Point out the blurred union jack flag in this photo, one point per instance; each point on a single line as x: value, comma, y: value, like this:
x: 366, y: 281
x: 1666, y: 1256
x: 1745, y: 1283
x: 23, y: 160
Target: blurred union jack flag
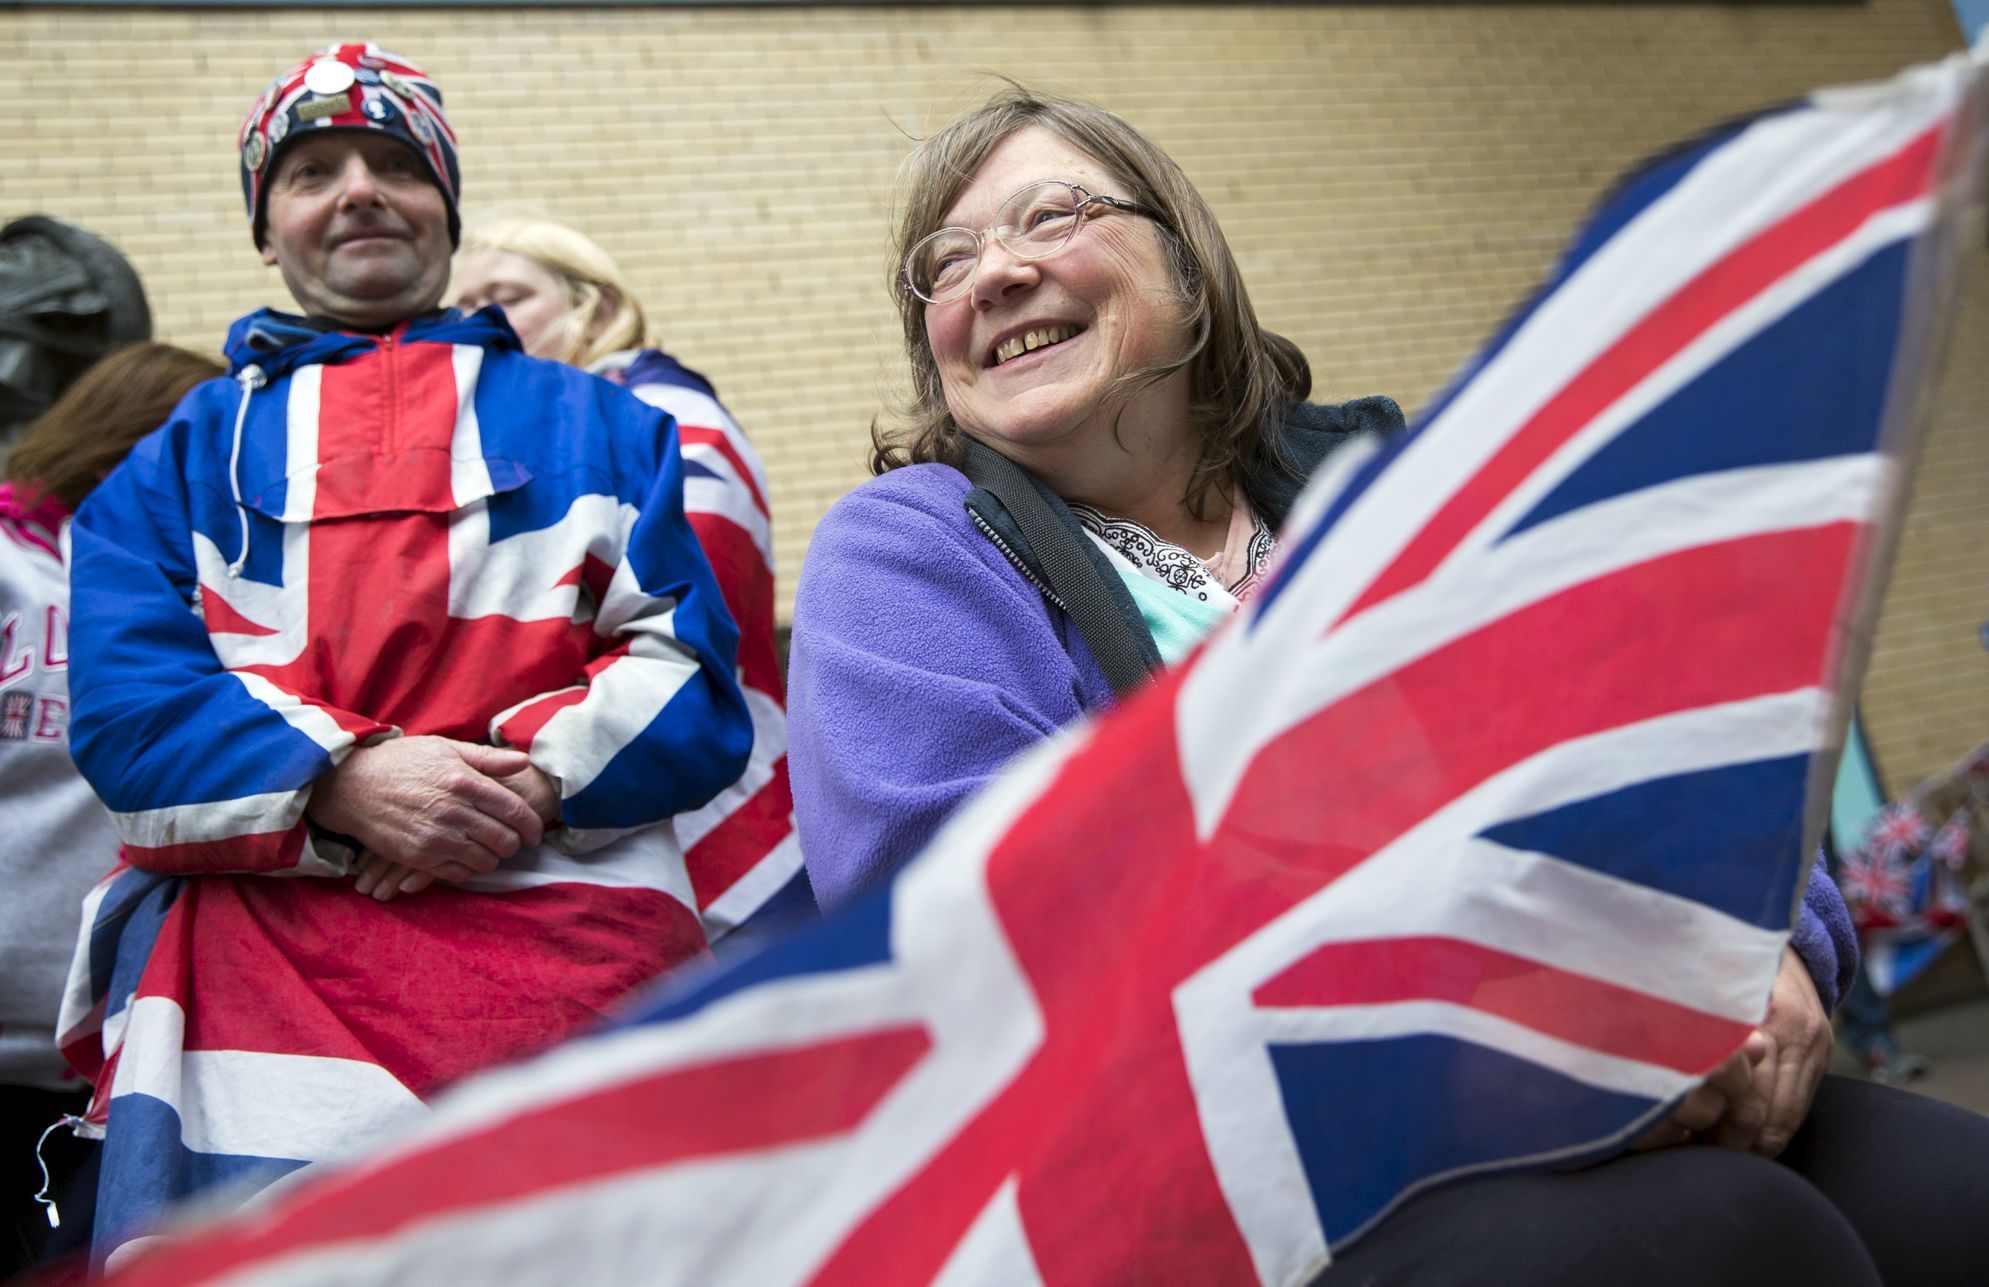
x: 1472, y: 844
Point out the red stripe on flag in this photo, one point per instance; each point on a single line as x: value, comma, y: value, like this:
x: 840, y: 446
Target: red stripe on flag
x: 1716, y: 292
x: 267, y: 967
x: 746, y: 582
x: 739, y: 843
x: 261, y: 851
x: 639, y: 1125
x: 1110, y: 1082
x: 722, y: 441
x: 386, y: 426
x: 1572, y: 1007
x: 1441, y: 725
x: 591, y: 573
x: 85, y: 1053
x: 221, y: 618
x: 521, y: 728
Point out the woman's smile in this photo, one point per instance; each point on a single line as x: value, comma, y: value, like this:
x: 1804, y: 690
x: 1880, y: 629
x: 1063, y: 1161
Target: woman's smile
x: 1034, y: 340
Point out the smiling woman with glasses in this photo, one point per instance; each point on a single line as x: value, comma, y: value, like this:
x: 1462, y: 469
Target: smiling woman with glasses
x: 1083, y: 355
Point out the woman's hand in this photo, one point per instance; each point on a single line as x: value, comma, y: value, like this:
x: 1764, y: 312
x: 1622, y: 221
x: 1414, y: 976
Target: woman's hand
x: 1725, y: 1088
x: 1800, y: 1041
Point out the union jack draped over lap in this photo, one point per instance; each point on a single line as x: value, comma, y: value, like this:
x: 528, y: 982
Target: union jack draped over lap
x: 1576, y: 650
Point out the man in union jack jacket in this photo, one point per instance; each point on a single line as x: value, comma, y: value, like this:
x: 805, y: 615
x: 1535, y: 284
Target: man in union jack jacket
x: 394, y: 655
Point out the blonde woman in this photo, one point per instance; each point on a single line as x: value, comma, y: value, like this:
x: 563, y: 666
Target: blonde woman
x: 568, y: 301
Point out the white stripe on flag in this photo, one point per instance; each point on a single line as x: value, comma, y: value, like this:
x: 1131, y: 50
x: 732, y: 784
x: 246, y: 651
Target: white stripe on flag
x: 642, y: 858
x: 312, y: 721
x: 469, y: 473
x: 214, y: 820
x: 253, y: 1104
x: 769, y: 744
x: 725, y: 499
x: 688, y: 406
x: 300, y: 461
x: 727, y: 1221
x: 1590, y: 914
x: 761, y: 881
x: 1584, y: 1064
x: 1226, y: 713
x: 995, y: 1251
x: 518, y: 577
x: 624, y: 697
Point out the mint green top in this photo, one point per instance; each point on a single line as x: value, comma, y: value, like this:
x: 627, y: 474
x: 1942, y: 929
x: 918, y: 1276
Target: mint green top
x: 1176, y: 621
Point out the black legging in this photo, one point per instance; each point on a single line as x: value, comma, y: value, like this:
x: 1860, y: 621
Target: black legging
x: 1879, y: 1186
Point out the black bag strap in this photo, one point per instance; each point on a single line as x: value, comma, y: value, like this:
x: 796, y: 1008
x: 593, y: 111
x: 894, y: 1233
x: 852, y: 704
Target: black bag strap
x: 1065, y: 564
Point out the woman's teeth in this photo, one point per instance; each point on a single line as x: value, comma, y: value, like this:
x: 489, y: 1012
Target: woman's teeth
x: 1032, y: 340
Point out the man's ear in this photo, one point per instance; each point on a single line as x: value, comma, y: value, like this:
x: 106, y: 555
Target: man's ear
x: 268, y: 254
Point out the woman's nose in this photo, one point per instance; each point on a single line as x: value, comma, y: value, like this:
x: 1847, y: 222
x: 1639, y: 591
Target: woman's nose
x: 1000, y: 274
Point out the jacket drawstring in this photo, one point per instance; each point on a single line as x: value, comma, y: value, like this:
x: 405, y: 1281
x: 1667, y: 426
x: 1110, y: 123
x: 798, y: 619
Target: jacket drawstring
x: 251, y: 379
x: 47, y: 1199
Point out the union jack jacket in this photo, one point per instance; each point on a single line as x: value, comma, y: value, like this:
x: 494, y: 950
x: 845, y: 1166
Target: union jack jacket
x: 359, y: 536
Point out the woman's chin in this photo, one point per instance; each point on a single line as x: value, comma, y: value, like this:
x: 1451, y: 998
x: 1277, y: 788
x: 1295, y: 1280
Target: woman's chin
x: 1031, y: 435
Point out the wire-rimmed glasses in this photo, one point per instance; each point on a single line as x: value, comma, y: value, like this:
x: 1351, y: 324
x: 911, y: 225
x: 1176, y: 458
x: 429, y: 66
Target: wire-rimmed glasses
x: 1035, y: 223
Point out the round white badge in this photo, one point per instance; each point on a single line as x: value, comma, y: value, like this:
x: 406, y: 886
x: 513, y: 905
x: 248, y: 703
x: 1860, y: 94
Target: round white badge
x: 279, y: 128
x: 328, y: 76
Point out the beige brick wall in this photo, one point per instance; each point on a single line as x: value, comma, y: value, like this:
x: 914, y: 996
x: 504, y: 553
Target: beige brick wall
x: 1393, y: 179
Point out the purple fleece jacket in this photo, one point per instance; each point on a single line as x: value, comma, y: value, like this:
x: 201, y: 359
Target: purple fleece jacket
x: 923, y: 661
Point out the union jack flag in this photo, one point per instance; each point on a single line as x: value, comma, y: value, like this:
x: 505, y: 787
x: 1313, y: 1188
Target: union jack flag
x: 1877, y: 885
x: 1907, y: 882
x: 15, y: 710
x: 740, y: 848
x: 1950, y: 843
x: 1899, y: 830
x: 1473, y: 844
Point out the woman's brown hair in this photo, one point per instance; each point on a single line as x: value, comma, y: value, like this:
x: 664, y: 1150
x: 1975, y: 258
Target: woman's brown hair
x: 1240, y: 376
x: 121, y: 398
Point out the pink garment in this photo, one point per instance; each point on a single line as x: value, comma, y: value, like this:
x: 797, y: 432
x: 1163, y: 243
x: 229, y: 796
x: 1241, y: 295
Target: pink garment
x: 1239, y: 565
x: 34, y: 526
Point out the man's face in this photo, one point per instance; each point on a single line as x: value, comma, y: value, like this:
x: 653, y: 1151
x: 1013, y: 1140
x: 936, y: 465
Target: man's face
x: 358, y: 229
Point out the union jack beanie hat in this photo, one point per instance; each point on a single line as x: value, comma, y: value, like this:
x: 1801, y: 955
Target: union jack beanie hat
x: 348, y: 87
